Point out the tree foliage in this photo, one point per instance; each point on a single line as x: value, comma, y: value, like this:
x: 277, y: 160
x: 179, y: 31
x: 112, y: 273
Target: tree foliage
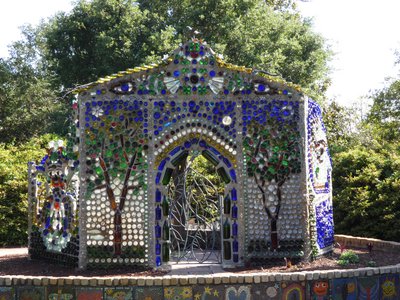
x: 14, y: 188
x: 104, y: 36
x: 385, y: 112
x: 366, y: 177
x: 366, y: 188
x: 101, y: 37
x: 28, y: 105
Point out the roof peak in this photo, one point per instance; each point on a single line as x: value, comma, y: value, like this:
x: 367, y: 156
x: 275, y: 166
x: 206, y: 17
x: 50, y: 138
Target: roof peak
x: 196, y: 55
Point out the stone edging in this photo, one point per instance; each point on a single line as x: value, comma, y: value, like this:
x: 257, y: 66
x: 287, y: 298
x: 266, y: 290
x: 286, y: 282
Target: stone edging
x: 182, y: 280
x: 361, y: 242
x: 216, y: 279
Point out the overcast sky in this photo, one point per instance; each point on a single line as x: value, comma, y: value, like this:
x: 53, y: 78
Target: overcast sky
x: 362, y: 33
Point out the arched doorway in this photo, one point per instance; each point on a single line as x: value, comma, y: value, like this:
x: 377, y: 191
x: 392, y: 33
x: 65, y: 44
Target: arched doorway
x: 194, y: 225
x: 195, y: 191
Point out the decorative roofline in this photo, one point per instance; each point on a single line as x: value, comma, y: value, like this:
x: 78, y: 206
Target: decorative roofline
x: 179, y: 52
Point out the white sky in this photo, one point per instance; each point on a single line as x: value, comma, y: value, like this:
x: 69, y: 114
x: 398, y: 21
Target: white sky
x: 363, y: 34
x: 15, y: 13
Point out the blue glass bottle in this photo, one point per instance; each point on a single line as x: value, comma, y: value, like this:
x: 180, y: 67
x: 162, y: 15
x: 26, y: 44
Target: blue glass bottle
x: 158, y: 248
x: 158, y: 213
x: 157, y: 230
x: 235, y: 246
x: 158, y: 261
x: 234, y: 194
x: 234, y: 229
x: 234, y: 211
x: 158, y: 195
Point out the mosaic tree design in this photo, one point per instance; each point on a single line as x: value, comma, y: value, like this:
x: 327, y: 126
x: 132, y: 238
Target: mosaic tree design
x: 273, y: 154
x: 116, y: 155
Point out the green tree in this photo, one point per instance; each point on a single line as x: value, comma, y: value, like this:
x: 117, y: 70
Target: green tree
x: 252, y: 33
x: 385, y: 112
x: 28, y: 105
x: 14, y: 188
x: 365, y: 155
x: 101, y: 37
x: 343, y: 127
x: 366, y: 187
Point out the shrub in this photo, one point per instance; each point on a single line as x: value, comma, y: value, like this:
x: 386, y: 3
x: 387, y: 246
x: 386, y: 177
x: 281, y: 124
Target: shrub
x: 348, y: 257
x: 14, y: 188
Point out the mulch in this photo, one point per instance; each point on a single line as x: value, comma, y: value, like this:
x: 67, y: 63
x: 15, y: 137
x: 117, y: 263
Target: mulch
x: 17, y: 263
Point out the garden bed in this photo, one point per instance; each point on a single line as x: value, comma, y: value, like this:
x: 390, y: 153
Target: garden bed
x: 19, y: 264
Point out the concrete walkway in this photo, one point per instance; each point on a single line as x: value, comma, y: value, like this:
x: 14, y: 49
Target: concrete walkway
x: 10, y: 252
x: 196, y: 269
x: 182, y: 268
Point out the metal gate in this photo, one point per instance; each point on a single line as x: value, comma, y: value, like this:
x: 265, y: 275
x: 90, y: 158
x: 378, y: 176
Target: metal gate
x: 195, y: 216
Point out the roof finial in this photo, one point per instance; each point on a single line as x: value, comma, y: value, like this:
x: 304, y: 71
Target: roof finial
x: 193, y: 32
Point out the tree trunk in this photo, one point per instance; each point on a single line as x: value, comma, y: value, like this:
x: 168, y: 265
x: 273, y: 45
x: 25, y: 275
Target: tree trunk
x: 117, y: 233
x: 274, y: 233
x: 273, y: 217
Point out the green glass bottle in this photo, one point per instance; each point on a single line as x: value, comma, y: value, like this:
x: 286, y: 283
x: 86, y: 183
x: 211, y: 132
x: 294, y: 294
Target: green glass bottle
x: 227, y: 229
x: 165, y: 231
x: 167, y: 176
x: 227, y: 204
x: 179, y: 158
x: 227, y: 250
x: 211, y: 158
x: 165, y: 206
x: 225, y: 177
x: 165, y: 251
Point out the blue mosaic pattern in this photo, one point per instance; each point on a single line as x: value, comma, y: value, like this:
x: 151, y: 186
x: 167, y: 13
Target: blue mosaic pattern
x: 344, y: 289
x: 319, y: 160
x: 105, y: 115
x: 368, y: 288
x: 263, y: 111
x: 167, y: 113
x: 238, y: 292
x: 324, y: 223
